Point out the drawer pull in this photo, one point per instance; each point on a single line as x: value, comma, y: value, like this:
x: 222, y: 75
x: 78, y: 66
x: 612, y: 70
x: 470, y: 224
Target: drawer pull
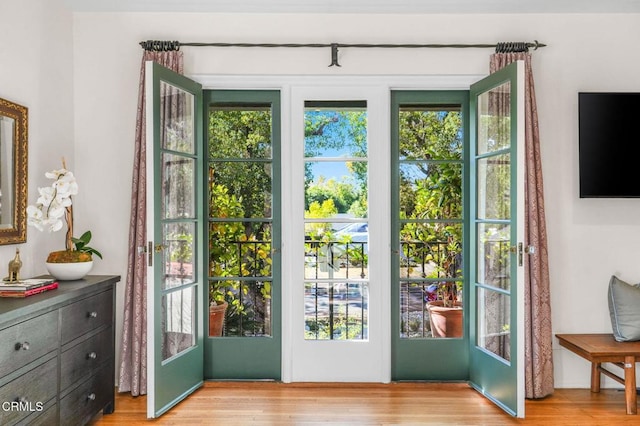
x: 22, y: 345
x: 92, y: 355
x: 92, y: 314
x: 91, y: 397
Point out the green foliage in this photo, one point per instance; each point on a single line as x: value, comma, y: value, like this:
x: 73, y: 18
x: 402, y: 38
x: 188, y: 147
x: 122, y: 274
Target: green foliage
x: 82, y: 244
x: 343, y: 194
x: 240, y: 152
x: 343, y: 131
x: 183, y: 252
x: 431, y: 194
x: 359, y: 208
x: 320, y: 231
x: 240, y: 180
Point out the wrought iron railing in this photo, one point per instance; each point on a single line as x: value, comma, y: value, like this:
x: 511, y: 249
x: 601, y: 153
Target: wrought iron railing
x: 336, y: 298
x: 324, y: 256
x: 245, y: 283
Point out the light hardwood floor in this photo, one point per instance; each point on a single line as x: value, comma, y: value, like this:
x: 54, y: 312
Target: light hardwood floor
x: 269, y: 403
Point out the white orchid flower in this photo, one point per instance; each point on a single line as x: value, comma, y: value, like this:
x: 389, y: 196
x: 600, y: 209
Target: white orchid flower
x: 66, y: 185
x: 55, y: 174
x: 46, y: 196
x: 34, y: 217
x: 55, y: 225
x: 55, y: 212
x: 52, y: 202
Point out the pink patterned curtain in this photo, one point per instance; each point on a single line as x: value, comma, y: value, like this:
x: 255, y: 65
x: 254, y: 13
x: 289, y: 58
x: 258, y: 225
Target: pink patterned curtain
x: 133, y: 355
x: 538, y: 334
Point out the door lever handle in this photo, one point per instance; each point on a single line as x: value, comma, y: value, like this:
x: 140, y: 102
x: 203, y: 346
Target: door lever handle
x: 519, y: 250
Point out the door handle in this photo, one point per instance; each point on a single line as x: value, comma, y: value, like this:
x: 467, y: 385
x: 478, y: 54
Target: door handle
x: 158, y: 248
x: 519, y: 249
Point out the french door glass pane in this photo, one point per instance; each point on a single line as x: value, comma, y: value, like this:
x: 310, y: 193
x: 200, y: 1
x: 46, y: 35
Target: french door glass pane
x: 232, y: 254
x: 240, y: 131
x: 431, y: 250
x: 178, y: 186
x: 494, y: 187
x: 240, y: 216
x: 430, y: 186
x: 176, y: 119
x: 423, y: 180
x: 494, y: 257
x: 179, y: 249
x: 335, y: 129
x: 341, y: 254
x: 254, y: 193
x: 336, y: 187
x: 336, y: 310
x: 494, y: 113
x: 414, y: 309
x: 249, y: 314
x: 430, y: 132
x: 178, y: 333
x: 336, y: 220
x: 494, y: 324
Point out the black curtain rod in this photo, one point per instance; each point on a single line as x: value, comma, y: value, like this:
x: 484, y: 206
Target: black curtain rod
x: 503, y: 47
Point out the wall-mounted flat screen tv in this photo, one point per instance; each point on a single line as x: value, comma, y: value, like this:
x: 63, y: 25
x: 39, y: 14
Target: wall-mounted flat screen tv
x: 609, y: 157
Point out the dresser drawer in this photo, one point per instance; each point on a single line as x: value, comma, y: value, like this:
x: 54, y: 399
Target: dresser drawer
x: 48, y: 417
x: 32, y: 389
x: 81, y: 404
x: 27, y: 341
x: 85, y: 315
x: 84, y: 358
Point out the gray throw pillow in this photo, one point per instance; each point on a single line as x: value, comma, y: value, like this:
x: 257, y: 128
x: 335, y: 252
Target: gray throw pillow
x: 624, y: 309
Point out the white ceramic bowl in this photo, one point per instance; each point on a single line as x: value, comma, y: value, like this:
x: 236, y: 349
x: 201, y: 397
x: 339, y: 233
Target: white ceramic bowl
x: 69, y: 271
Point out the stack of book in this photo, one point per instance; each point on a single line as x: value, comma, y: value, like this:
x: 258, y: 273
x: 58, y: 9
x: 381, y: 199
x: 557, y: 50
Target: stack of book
x: 28, y: 287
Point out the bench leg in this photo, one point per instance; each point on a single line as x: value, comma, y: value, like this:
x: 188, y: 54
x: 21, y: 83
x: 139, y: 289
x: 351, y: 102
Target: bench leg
x: 595, y: 377
x: 630, y: 384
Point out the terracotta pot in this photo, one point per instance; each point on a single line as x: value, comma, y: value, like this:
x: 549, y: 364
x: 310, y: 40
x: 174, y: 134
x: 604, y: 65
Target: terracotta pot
x: 216, y: 319
x: 445, y: 322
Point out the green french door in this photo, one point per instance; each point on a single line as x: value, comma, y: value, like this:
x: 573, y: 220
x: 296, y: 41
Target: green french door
x: 242, y: 145
x: 429, y: 232
x: 496, y: 295
x: 174, y: 225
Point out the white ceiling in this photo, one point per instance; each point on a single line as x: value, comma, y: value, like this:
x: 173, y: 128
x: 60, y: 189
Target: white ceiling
x: 358, y: 6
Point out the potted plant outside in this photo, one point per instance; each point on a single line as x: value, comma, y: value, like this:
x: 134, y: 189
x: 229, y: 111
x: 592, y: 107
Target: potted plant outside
x: 444, y: 306
x: 445, y: 313
x: 217, y: 309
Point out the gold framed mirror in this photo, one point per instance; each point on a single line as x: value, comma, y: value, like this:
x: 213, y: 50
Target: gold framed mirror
x: 14, y: 122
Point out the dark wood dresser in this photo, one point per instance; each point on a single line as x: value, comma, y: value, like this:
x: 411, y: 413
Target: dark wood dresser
x: 57, y: 363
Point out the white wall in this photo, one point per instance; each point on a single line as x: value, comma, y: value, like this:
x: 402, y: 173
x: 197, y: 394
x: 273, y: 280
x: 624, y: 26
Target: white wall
x: 589, y: 239
x: 36, y: 71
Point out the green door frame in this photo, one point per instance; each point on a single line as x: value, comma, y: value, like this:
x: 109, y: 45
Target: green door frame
x: 251, y: 357
x: 427, y: 358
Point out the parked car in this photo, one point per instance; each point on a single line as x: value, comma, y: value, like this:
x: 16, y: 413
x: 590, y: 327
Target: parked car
x: 355, y: 233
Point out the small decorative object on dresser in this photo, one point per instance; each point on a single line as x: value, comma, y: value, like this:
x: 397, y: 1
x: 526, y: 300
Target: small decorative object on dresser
x: 14, y: 268
x: 57, y: 363
x: 54, y: 202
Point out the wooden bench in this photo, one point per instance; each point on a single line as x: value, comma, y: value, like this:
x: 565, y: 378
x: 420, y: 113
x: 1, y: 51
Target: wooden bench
x: 601, y: 348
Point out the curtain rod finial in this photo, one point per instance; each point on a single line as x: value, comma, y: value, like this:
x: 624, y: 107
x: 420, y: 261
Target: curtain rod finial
x: 537, y: 44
